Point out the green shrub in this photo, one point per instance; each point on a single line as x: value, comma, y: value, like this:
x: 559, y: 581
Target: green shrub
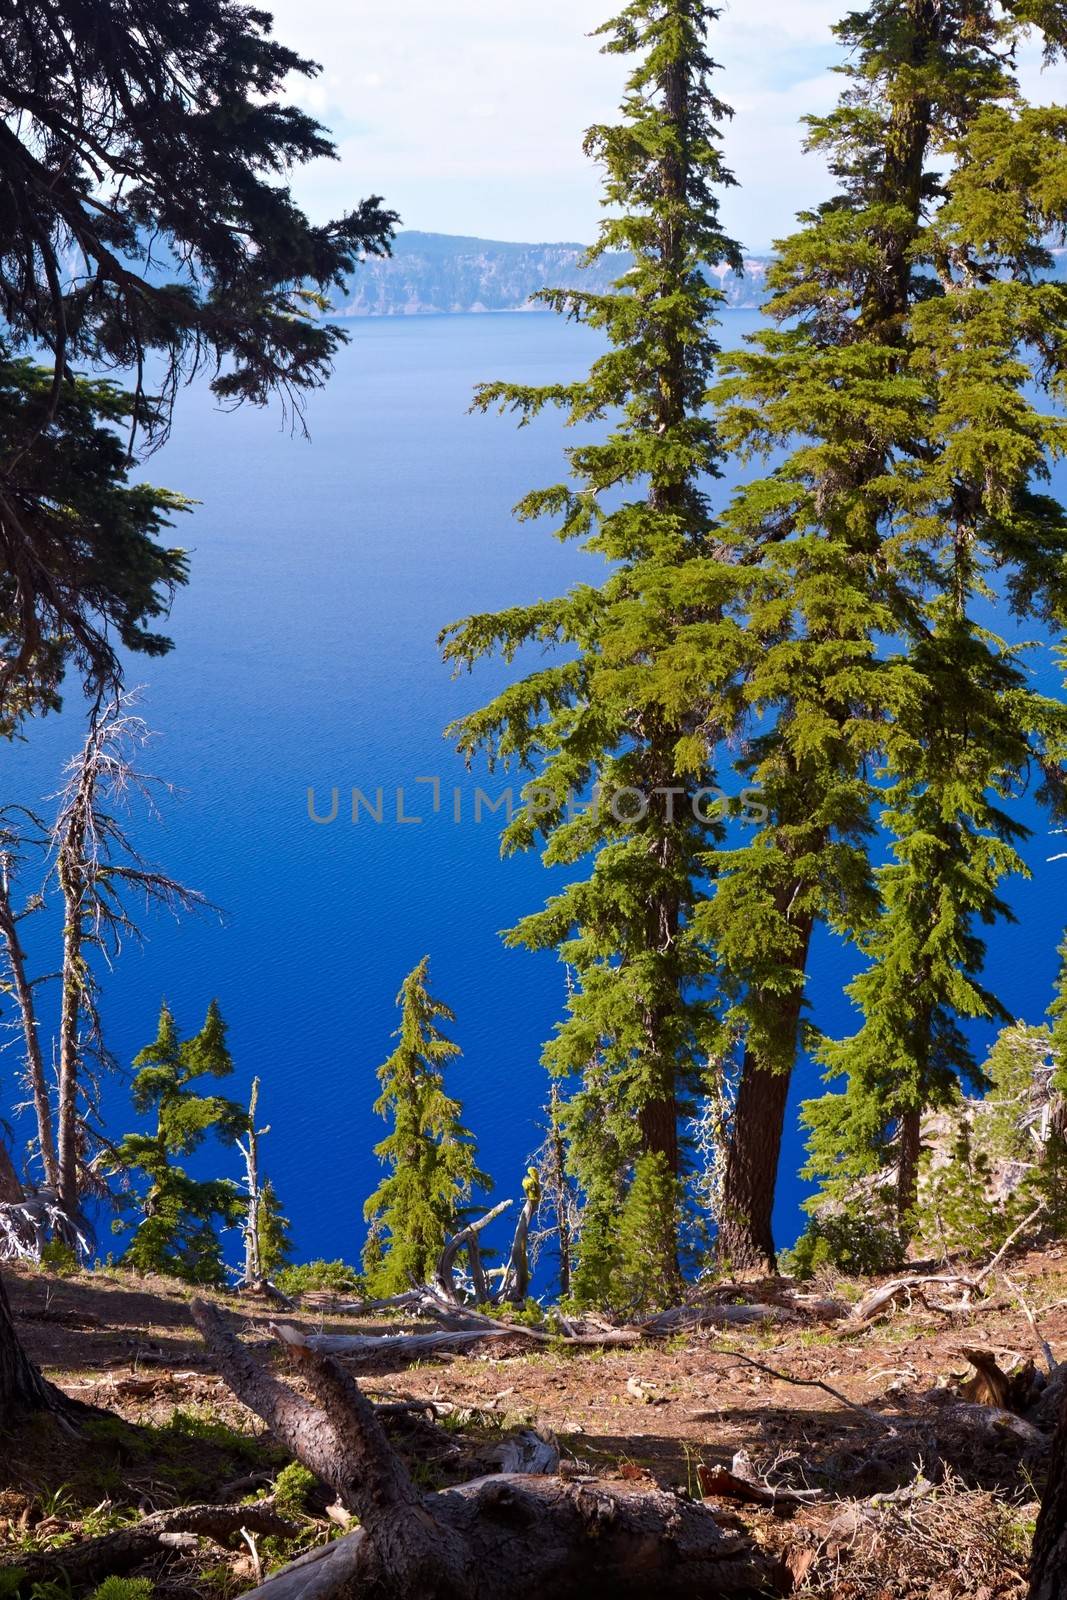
x: 306, y: 1276
x: 60, y: 1258
x: 291, y: 1488
x: 856, y: 1245
x: 123, y: 1589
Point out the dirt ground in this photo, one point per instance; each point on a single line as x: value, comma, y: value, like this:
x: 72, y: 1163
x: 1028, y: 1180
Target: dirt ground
x: 906, y: 1502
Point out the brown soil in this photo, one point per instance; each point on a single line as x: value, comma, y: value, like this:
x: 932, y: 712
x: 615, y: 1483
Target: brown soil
x: 128, y: 1345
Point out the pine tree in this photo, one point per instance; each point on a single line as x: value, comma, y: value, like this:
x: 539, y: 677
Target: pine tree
x: 950, y: 752
x: 176, y: 1234
x: 910, y: 310
x: 647, y: 1275
x: 275, y: 1240
x: 644, y: 687
x: 147, y: 228
x: 431, y: 1156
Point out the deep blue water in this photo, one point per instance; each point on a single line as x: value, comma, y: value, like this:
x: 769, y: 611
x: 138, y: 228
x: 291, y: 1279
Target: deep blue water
x: 305, y: 656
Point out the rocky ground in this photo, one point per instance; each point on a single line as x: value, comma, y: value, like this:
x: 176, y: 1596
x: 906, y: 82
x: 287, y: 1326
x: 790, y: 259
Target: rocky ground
x: 902, y: 1492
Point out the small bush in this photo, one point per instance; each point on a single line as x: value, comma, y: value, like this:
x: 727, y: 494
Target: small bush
x: 123, y: 1589
x: 856, y: 1245
x: 307, y: 1276
x: 60, y: 1258
x: 291, y: 1488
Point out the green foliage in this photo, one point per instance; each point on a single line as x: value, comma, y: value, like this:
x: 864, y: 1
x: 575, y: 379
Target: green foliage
x: 291, y: 1488
x: 199, y: 259
x: 648, y: 1276
x: 307, y: 1276
x: 123, y: 1589
x: 431, y: 1156
x: 957, y: 1210
x: 275, y: 1242
x: 59, y: 1258
x: 645, y: 658
x: 176, y: 1234
x: 912, y: 313
x: 1007, y: 1153
x: 858, y: 1245
x: 100, y: 537
x: 594, y: 1280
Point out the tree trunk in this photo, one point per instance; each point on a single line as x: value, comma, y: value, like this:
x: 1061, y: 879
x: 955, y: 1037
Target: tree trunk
x: 253, y: 1273
x: 746, y: 1234
x: 10, y: 1187
x: 659, y: 1131
x: 910, y: 1143
x: 558, y: 1175
x: 31, y: 1040
x: 69, y: 1021
x: 1048, y: 1566
x: 22, y: 1388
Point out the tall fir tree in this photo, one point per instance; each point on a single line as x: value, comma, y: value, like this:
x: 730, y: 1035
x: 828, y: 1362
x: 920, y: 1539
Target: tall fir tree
x: 645, y: 684
x: 180, y: 1214
x: 431, y: 1156
x: 910, y: 311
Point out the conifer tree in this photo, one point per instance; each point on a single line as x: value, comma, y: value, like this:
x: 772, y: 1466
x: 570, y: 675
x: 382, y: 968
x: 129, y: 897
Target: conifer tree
x: 275, y: 1240
x: 644, y: 685
x: 910, y: 310
x: 647, y: 1275
x: 176, y: 1234
x: 431, y: 1156
x: 147, y: 228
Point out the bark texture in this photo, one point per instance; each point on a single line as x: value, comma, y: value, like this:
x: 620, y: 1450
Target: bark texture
x: 1048, y: 1567
x: 746, y: 1233
x: 22, y: 1388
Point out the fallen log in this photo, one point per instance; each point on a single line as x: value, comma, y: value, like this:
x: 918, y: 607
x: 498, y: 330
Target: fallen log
x: 79, y: 1565
x: 486, y: 1540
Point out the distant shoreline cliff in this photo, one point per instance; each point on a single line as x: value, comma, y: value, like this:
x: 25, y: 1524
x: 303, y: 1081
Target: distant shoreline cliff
x: 437, y: 274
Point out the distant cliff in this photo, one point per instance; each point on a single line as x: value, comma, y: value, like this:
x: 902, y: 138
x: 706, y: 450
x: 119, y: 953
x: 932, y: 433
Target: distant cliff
x: 435, y: 273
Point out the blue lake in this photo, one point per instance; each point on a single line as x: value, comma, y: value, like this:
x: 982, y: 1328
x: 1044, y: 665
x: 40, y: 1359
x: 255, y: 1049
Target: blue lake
x: 322, y: 571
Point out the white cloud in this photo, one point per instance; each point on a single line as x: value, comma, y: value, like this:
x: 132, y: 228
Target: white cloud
x: 468, y: 115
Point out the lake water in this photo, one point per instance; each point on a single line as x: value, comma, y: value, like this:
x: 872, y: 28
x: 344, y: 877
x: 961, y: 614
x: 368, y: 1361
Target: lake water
x: 305, y: 657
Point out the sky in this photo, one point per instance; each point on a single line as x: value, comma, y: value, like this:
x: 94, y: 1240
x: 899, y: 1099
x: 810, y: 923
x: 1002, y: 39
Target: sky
x: 467, y: 115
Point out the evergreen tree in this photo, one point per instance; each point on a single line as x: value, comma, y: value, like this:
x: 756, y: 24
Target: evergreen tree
x: 70, y: 510
x: 275, y: 1240
x: 146, y: 228
x: 645, y: 684
x: 910, y: 310
x: 647, y: 1276
x: 431, y: 1156
x: 176, y: 1234
x: 950, y: 751
x: 1058, y: 1017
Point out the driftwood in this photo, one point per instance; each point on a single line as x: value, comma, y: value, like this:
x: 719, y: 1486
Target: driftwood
x: 873, y: 1304
x: 492, y: 1538
x: 119, y: 1552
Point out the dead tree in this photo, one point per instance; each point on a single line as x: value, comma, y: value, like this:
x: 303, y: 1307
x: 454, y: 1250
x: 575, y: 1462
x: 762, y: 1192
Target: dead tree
x: 22, y: 988
x: 558, y: 1196
x: 492, y: 1538
x: 252, y: 1276
x: 97, y: 870
x: 1048, y: 1566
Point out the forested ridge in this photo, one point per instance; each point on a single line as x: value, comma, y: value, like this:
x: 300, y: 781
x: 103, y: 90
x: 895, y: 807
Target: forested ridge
x: 819, y: 704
